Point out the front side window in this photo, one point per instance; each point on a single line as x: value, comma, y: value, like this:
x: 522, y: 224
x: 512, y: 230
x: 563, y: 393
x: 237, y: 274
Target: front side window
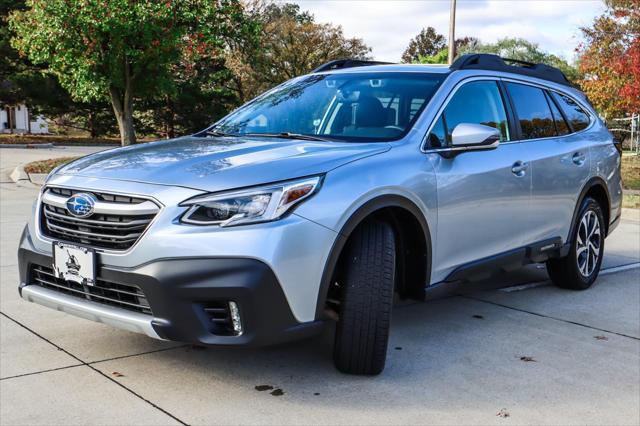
x: 478, y: 102
x: 533, y: 111
x: 377, y: 106
x: 578, y: 119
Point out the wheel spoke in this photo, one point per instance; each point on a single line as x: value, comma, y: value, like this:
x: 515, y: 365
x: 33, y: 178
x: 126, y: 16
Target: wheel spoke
x: 586, y: 265
x: 588, y: 243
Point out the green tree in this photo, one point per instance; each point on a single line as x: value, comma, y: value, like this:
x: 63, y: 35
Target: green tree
x: 23, y: 82
x: 427, y: 43
x: 122, y: 51
x: 522, y: 50
x: 442, y: 57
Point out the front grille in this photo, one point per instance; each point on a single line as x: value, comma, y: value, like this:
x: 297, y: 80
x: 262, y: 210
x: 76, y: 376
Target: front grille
x: 117, y: 223
x: 125, y: 296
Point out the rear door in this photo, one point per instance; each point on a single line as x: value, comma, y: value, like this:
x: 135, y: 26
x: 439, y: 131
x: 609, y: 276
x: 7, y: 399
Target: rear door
x: 483, y: 196
x: 550, y: 126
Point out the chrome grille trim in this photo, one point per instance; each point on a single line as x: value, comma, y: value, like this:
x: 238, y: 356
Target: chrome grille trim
x: 114, y: 225
x: 101, y: 207
x: 125, y: 296
x: 97, y: 223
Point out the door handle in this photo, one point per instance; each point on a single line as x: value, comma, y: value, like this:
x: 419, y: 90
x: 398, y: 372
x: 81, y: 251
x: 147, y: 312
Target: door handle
x: 578, y: 158
x: 519, y: 168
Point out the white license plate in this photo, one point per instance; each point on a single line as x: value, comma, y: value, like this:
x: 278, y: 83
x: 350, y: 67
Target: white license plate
x: 74, y: 263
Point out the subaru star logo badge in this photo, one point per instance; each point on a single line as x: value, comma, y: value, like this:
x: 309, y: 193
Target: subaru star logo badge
x: 81, y: 205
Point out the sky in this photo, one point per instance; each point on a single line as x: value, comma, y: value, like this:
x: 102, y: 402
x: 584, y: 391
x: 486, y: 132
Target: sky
x: 388, y: 25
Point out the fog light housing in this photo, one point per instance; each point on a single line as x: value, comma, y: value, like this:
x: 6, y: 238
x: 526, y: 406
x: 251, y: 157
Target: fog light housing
x: 236, y: 322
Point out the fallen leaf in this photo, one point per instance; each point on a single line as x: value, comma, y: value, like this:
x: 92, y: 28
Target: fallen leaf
x: 115, y: 373
x: 601, y: 337
x: 527, y: 359
x: 398, y: 348
x: 277, y: 392
x: 503, y: 413
x: 478, y: 317
x: 262, y: 388
x: 316, y: 393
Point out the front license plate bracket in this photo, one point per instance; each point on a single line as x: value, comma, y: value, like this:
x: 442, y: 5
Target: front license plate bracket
x: 74, y: 263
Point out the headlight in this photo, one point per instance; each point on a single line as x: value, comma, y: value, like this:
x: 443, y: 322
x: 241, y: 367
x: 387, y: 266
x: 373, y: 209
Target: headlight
x: 258, y: 204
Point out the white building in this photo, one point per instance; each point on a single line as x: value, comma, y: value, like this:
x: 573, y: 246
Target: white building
x: 16, y: 119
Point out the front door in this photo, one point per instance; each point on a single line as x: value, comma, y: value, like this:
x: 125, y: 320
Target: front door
x: 483, y: 196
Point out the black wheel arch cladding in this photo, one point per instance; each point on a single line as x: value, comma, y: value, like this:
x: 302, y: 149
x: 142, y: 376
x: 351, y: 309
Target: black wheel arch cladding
x: 381, y: 206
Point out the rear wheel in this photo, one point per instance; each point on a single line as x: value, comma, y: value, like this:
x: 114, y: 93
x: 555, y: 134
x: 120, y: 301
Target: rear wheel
x: 366, y: 300
x: 579, y: 269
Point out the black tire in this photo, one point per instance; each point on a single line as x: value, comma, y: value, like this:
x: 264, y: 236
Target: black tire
x: 565, y: 272
x: 362, y: 332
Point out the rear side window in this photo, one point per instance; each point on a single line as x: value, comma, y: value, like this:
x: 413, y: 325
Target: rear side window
x: 478, y: 102
x: 578, y: 119
x: 533, y: 111
x: 561, y: 126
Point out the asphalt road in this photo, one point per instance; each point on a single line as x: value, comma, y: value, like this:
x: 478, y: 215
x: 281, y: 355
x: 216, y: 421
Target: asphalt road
x: 530, y: 354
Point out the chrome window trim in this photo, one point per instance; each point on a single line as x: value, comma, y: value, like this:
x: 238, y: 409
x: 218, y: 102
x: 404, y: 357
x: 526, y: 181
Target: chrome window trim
x: 425, y: 150
x: 38, y: 224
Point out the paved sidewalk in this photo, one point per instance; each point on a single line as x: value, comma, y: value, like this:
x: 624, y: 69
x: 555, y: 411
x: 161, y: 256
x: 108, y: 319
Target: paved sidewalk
x: 12, y: 157
x: 538, y: 355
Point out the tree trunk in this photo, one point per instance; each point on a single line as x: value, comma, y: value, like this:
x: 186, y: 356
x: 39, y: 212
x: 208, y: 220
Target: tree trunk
x: 123, y: 108
x: 124, y: 117
x: 91, y: 124
x: 170, y: 119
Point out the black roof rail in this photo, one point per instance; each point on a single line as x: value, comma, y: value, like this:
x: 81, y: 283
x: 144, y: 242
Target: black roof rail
x: 347, y: 63
x: 485, y: 61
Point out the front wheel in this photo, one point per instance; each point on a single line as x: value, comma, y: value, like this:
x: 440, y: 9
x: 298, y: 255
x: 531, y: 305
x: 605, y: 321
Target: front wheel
x: 579, y: 269
x: 366, y: 300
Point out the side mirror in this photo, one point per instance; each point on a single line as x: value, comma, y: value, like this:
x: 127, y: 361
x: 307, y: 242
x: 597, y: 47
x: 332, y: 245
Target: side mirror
x: 474, y: 136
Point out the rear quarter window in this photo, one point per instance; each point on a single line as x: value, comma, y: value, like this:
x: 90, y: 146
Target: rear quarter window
x: 577, y: 117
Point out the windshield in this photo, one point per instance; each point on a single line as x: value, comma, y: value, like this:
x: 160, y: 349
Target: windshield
x: 377, y: 106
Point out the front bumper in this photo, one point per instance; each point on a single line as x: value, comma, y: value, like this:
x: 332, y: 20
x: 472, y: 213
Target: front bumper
x: 178, y: 291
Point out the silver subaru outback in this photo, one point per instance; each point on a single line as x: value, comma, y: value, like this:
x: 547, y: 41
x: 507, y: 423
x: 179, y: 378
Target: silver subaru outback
x: 324, y: 199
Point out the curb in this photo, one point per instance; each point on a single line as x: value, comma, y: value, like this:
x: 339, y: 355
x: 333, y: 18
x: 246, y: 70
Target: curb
x: 28, y: 145
x: 56, y: 145
x: 22, y: 178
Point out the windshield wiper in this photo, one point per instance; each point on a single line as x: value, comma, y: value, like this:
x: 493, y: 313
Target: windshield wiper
x: 218, y: 133
x: 287, y: 135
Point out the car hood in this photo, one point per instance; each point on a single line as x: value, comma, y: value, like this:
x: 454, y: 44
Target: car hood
x: 219, y: 163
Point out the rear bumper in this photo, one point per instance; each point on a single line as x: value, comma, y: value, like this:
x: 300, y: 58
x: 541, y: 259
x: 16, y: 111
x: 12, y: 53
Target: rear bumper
x: 178, y: 291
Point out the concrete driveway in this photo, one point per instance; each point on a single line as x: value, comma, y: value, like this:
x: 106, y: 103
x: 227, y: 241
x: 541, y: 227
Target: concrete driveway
x: 529, y: 354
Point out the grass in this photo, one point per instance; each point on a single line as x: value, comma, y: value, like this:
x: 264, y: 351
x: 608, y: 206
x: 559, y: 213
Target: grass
x: 45, y: 166
x: 631, y: 201
x: 12, y: 139
x: 631, y: 171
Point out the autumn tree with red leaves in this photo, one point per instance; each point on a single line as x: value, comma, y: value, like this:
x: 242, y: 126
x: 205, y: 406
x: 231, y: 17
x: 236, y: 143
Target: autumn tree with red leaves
x: 610, y: 59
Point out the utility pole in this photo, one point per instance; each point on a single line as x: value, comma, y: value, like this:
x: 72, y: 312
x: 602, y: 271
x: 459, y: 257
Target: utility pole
x: 452, y: 32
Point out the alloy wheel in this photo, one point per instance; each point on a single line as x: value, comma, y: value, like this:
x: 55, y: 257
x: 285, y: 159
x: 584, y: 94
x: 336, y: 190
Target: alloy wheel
x: 588, y: 243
